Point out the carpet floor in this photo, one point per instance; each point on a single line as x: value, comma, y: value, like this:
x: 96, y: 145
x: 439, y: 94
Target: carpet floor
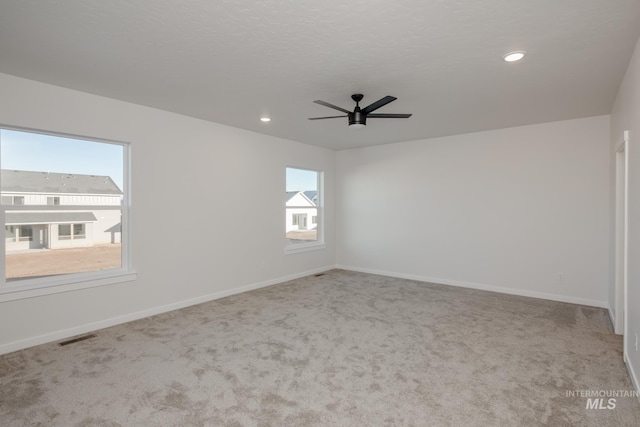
x: 340, y: 349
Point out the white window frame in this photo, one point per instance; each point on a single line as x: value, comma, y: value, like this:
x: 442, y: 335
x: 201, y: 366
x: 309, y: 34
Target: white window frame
x: 72, y: 231
x: 318, y: 244
x: 33, y: 287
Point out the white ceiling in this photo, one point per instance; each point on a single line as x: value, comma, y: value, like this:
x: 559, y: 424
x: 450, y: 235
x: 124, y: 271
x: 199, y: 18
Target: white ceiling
x: 231, y: 61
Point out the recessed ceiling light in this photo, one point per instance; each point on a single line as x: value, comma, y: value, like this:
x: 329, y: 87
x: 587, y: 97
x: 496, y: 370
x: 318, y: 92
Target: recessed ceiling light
x: 265, y: 119
x: 514, y: 56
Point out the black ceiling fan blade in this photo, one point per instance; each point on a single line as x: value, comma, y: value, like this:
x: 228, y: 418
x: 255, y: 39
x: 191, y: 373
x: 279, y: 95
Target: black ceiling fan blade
x: 379, y: 103
x: 330, y: 117
x: 335, y: 107
x: 389, y: 116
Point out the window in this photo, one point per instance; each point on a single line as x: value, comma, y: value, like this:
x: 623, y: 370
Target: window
x: 303, y: 210
x: 25, y: 233
x: 64, y: 231
x: 81, y: 243
x: 78, y: 231
x: 299, y: 219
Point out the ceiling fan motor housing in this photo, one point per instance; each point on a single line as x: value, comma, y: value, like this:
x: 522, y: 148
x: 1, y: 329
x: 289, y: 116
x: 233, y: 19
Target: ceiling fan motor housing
x: 357, y: 118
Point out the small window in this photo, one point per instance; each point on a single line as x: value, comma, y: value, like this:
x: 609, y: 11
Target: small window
x: 303, y: 209
x: 26, y: 233
x: 78, y: 231
x: 64, y: 231
x: 299, y: 219
x: 92, y: 176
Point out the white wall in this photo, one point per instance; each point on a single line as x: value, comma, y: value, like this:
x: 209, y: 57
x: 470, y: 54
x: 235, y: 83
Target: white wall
x: 213, y: 168
x: 508, y: 210
x: 625, y: 116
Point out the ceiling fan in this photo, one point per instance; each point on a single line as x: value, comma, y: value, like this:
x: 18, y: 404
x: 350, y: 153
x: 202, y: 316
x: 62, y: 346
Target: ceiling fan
x: 358, y: 117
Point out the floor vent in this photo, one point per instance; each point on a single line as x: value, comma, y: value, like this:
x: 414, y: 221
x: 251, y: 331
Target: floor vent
x: 318, y: 275
x: 75, y: 340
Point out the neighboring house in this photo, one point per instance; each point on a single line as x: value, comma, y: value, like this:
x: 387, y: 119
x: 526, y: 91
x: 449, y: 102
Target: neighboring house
x: 302, y: 212
x: 312, y: 195
x: 52, y: 229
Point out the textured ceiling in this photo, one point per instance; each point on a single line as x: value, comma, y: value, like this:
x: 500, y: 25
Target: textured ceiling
x: 231, y: 61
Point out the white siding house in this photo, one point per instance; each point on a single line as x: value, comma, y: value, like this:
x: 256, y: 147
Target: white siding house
x: 301, y: 212
x: 51, y: 229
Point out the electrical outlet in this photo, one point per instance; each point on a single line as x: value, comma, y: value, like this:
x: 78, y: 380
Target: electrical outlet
x: 636, y: 335
x: 560, y: 276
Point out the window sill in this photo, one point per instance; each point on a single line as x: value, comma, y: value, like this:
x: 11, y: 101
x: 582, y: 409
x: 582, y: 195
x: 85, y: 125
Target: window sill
x: 29, y: 289
x: 298, y: 248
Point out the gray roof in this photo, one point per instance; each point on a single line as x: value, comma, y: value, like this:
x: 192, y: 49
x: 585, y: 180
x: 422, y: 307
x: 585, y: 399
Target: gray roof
x: 311, y: 194
x: 48, y: 217
x: 51, y: 183
x: 290, y: 194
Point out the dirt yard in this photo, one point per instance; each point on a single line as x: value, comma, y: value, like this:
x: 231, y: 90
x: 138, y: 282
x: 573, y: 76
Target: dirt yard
x: 75, y: 260
x: 306, y: 235
x: 62, y: 261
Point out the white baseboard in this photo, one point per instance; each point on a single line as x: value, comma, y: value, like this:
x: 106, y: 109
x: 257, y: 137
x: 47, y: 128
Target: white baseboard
x: 90, y: 327
x: 480, y: 286
x: 632, y: 373
x: 612, y: 317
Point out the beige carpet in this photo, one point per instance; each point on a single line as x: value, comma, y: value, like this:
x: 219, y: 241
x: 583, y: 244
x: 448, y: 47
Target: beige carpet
x: 342, y: 349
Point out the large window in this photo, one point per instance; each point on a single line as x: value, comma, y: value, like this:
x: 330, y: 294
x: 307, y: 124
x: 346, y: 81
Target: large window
x: 303, y: 210
x: 65, y: 203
